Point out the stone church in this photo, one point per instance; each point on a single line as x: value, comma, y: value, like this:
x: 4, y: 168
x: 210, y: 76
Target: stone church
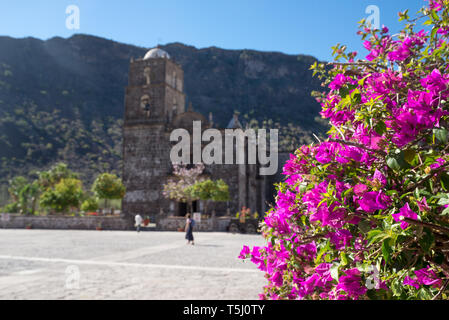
x: 155, y: 105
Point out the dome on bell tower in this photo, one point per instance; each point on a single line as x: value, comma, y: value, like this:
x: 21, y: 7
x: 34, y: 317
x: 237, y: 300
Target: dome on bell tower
x: 156, y: 53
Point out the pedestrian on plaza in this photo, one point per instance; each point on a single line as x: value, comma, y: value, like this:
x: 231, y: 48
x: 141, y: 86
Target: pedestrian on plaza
x: 190, y: 223
x: 138, y: 219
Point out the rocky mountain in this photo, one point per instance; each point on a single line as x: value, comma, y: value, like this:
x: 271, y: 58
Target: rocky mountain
x: 62, y: 99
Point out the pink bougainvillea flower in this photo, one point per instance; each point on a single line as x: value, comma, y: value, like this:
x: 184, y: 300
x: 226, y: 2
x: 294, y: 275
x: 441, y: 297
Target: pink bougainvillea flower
x: 411, y: 282
x: 367, y: 45
x: 435, y: 81
x: 292, y: 166
x: 341, y: 238
x: 428, y: 277
x: 326, y: 152
x: 257, y: 259
x: 443, y: 31
x: 244, y: 252
x: 307, y: 251
x: 405, y: 212
x: 338, y: 81
x: 424, y: 276
x: 378, y: 176
x: 393, y: 103
x: 351, y: 283
x: 402, y: 51
x: 373, y: 201
x: 404, y: 48
x: 375, y: 142
x: 439, y: 162
x: 422, y: 205
x: 435, y: 5
x: 277, y: 279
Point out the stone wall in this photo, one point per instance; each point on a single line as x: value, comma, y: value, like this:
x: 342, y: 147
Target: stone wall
x: 15, y: 221
x: 212, y: 224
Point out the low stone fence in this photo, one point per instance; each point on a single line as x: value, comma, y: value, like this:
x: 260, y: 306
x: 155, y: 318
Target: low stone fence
x: 16, y: 221
x: 173, y: 223
x: 177, y: 223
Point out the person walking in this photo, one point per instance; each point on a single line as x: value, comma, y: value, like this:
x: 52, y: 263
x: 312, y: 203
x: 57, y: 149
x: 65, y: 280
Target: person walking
x: 190, y: 223
x: 138, y: 219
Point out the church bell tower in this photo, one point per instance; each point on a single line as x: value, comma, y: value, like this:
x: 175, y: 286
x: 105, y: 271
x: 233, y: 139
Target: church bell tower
x: 153, y: 98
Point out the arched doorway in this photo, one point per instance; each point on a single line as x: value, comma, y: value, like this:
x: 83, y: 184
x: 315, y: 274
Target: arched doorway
x: 182, y: 208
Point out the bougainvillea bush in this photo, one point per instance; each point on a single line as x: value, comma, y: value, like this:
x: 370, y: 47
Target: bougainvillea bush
x: 364, y: 214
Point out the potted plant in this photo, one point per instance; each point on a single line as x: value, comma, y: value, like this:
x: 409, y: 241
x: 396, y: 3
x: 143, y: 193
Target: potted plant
x: 99, y: 227
x: 244, y: 214
x: 29, y: 226
x: 146, y: 221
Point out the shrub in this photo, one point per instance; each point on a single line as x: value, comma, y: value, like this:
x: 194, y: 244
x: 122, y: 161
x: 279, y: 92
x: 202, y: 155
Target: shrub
x: 364, y: 214
x: 209, y: 190
x: 90, y: 204
x: 65, y: 194
x: 11, y: 208
x: 108, y: 186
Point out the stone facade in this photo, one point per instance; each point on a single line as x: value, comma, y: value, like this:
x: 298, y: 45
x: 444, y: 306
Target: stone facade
x: 16, y: 221
x: 174, y: 223
x: 154, y: 106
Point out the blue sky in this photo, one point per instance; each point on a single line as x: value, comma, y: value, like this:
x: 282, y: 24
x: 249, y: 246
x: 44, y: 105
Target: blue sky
x: 289, y: 26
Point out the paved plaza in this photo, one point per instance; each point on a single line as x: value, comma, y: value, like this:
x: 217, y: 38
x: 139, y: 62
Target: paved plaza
x: 68, y: 264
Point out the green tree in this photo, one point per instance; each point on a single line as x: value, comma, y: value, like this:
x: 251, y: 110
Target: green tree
x: 23, y: 194
x: 65, y: 194
x: 178, y: 188
x: 15, y: 186
x: 48, y: 179
x: 90, y: 204
x: 108, y: 186
x: 209, y: 191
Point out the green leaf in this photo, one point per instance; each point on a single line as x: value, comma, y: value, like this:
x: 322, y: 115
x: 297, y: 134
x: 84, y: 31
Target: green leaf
x: 374, y: 235
x: 409, y: 155
x: 386, y: 250
x: 427, y: 240
x: 344, y: 91
x: 372, y: 295
x: 322, y: 251
x: 396, y: 287
x: 364, y: 226
x: 344, y: 258
x: 361, y: 82
x: 334, y: 272
x: 434, y: 32
x: 441, y: 134
x: 439, y: 258
x: 443, y: 201
x: 380, y: 128
x: 396, y: 161
x: 444, y: 178
x: 356, y: 97
x: 445, y: 212
x: 435, y: 16
x: 424, y: 294
x: 393, y: 163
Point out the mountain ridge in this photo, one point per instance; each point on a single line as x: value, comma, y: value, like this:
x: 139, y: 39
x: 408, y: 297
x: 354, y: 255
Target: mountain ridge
x: 62, y: 99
